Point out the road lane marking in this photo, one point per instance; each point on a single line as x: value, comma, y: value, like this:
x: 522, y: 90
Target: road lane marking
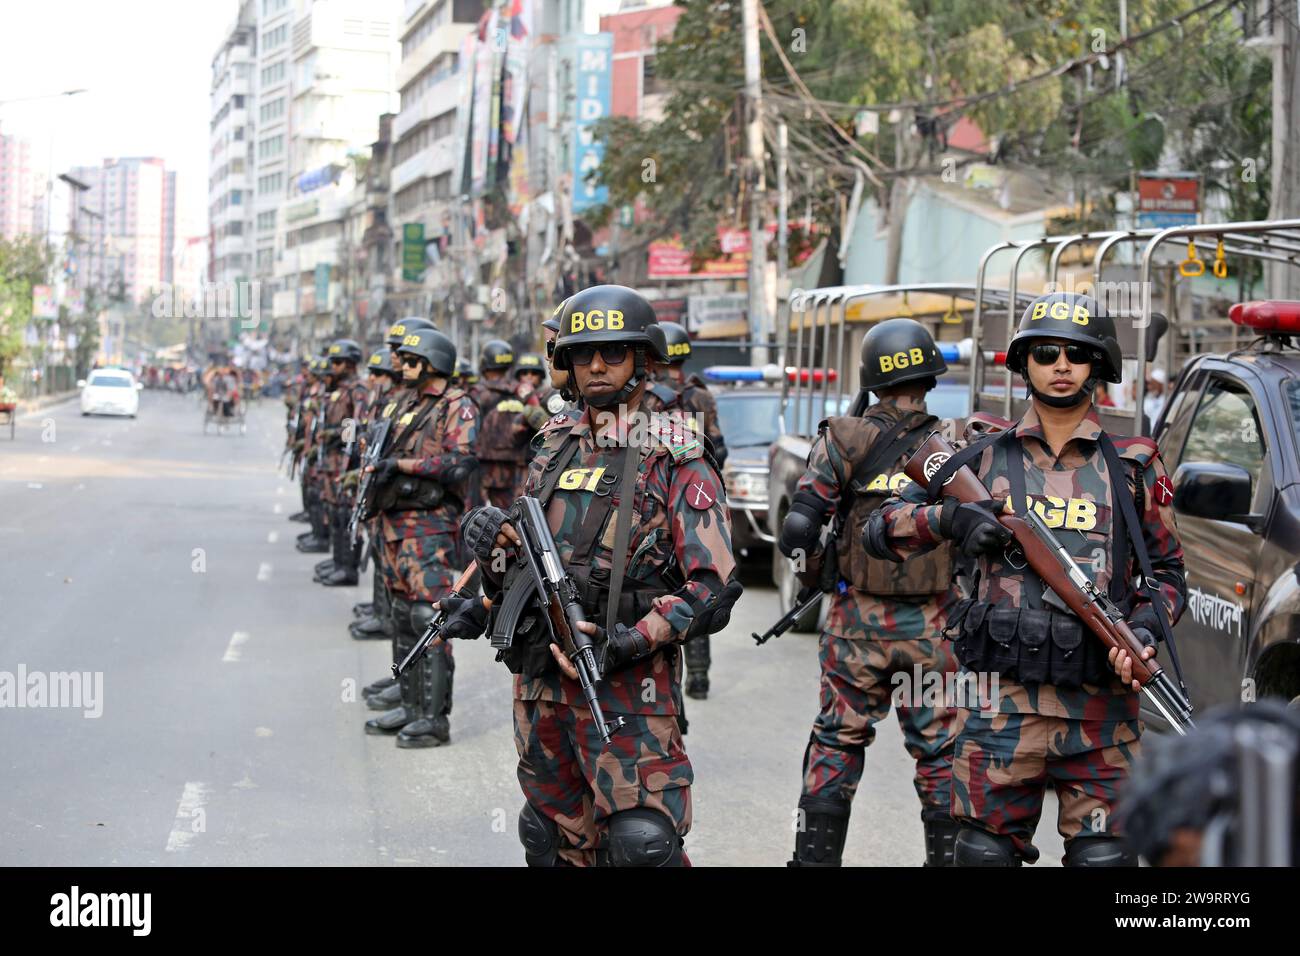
x: 233, y: 653
x: 190, y: 816
x: 35, y: 484
x: 272, y: 537
x: 276, y: 509
x: 264, y: 571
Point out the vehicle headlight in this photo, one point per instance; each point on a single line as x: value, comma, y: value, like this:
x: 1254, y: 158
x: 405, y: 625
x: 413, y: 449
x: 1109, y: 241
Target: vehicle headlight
x: 747, y: 487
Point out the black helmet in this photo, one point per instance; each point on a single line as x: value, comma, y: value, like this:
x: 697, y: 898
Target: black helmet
x: 529, y: 362
x: 1072, y: 318
x: 399, y: 329
x: 432, y: 346
x: 610, y: 313
x: 678, y: 342
x: 465, y: 371
x: 496, y: 354
x: 345, y: 349
x: 896, y: 351
x: 381, y: 360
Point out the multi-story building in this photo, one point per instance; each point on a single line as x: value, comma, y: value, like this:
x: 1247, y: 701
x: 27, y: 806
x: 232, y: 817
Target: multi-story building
x: 127, y: 217
x: 230, y: 163
x: 340, y: 57
x: 19, y: 180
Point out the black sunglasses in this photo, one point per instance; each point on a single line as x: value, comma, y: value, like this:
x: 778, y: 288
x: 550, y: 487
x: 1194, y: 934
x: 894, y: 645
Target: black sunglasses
x: 1046, y: 354
x: 550, y: 349
x: 611, y: 353
x: 411, y: 360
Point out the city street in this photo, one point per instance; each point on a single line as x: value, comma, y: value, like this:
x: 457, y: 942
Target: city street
x: 231, y: 726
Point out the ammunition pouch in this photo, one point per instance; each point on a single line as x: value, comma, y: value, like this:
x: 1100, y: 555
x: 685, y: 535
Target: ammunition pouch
x: 1029, y: 645
x: 412, y: 493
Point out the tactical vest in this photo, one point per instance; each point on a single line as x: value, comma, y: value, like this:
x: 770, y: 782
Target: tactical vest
x: 502, y: 436
x: 876, y: 473
x: 1040, y: 640
x: 413, y: 492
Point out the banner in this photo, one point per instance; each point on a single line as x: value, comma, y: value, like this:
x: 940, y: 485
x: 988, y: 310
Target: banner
x: 669, y: 259
x: 413, y: 252
x: 322, y: 277
x: 484, y: 57
x: 464, y: 108
x: 44, y: 304
x: 593, y: 58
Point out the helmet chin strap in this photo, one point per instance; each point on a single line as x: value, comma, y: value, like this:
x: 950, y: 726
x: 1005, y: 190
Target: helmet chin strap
x: 623, y: 394
x: 1064, y: 401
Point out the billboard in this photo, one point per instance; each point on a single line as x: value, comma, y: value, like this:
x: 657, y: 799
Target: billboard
x: 44, y: 303
x: 1168, y: 199
x: 593, y: 60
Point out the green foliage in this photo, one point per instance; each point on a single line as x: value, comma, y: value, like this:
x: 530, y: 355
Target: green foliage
x: 23, y: 264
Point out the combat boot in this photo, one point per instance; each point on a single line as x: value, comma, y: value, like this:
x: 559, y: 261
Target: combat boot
x: 300, y: 517
x: 363, y: 609
x: 386, y: 699
x: 697, y: 667
x: 382, y: 684
x: 824, y: 825
x: 368, y: 629
x: 432, y: 727
x: 404, y: 640
x: 344, y: 572
x: 940, y: 834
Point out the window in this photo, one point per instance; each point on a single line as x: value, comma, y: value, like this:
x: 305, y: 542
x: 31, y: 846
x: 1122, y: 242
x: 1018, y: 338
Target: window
x: 1226, y: 430
x: 274, y: 38
x: 236, y: 197
x: 649, y: 82
x: 273, y: 73
x: 444, y: 125
x: 266, y: 221
x: 271, y: 110
x: 271, y: 146
x: 239, y: 101
x: 270, y: 184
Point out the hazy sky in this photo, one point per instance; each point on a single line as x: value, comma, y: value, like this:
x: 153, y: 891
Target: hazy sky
x: 146, y: 66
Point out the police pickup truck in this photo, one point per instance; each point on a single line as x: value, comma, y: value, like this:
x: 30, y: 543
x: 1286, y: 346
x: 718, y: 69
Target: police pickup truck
x: 1230, y: 436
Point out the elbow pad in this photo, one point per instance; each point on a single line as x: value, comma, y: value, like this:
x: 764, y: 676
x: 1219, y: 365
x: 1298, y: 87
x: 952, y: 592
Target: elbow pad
x: 875, y: 538
x: 801, y: 530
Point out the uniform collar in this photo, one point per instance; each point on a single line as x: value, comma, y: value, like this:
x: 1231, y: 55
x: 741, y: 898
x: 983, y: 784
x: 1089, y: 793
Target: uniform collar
x: 432, y: 388
x: 1088, y: 429
x: 585, y: 425
x: 906, y: 403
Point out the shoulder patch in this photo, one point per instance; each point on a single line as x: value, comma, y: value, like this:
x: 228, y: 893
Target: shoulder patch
x: 701, y: 493
x: 681, y: 444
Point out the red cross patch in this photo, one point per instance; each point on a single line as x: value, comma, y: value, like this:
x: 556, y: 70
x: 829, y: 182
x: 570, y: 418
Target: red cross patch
x: 467, y: 414
x: 701, y: 494
x: 1164, y: 490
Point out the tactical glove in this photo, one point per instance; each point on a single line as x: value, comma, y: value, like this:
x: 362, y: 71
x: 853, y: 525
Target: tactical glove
x: 479, y: 529
x: 974, y: 526
x: 1145, y: 626
x: 466, y: 618
x: 385, y: 471
x: 621, y: 647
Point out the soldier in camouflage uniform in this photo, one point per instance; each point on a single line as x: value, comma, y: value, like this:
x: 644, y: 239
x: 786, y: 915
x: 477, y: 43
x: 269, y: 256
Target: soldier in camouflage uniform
x: 373, y: 618
x: 1059, y: 715
x: 503, y: 433
x: 885, y: 619
x: 674, y: 392
x: 651, y: 498
x: 317, y: 540
x: 345, y: 411
x: 294, y: 393
x: 384, y: 694
x: 420, y: 488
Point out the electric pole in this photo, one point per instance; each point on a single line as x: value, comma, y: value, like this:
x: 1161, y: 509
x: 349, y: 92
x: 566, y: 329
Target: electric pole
x: 759, y: 328
x: 1284, y: 201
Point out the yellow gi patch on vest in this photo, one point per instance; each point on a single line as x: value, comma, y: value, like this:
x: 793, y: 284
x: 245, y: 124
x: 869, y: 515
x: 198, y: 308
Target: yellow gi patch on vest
x: 510, y: 405
x: 389, y: 409
x: 406, y: 419
x: 586, y: 479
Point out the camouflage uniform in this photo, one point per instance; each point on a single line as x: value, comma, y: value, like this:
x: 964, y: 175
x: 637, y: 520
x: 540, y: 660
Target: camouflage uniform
x: 1081, y: 740
x: 312, y: 478
x: 679, y: 555
x: 346, y: 403
x: 420, y: 543
x: 869, y: 638
x: 502, y: 449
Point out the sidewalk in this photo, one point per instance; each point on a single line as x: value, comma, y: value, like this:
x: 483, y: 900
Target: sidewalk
x: 28, y: 405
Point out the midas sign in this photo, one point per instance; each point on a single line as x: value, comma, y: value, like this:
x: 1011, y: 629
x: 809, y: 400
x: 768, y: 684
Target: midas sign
x: 595, y: 320
x: 902, y: 360
x: 1059, y: 311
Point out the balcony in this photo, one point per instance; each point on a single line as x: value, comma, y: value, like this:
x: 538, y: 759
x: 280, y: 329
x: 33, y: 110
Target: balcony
x: 434, y: 101
x: 434, y: 161
x: 445, y: 39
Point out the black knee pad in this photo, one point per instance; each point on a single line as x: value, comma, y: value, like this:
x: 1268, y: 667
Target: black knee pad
x: 422, y: 613
x: 642, y: 837
x: 820, y: 841
x: 1100, y: 851
x: 540, y: 837
x: 976, y: 847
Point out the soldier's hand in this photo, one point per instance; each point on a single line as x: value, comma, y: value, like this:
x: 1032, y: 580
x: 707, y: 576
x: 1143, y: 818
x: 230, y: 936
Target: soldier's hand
x: 974, y: 526
x: 486, y: 531
x: 466, y: 617
x: 620, y: 647
x: 384, y: 470
x: 562, y: 659
x: 811, y: 575
x: 1121, y: 661
x: 351, y: 479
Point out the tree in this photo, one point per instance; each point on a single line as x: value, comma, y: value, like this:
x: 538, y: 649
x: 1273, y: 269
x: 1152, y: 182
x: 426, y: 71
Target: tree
x: 23, y: 264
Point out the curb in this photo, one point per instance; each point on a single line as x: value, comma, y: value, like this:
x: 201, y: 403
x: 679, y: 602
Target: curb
x: 27, y: 406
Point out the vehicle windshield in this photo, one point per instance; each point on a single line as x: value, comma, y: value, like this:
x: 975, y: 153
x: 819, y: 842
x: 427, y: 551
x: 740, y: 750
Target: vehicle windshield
x: 748, y: 421
x: 112, y: 381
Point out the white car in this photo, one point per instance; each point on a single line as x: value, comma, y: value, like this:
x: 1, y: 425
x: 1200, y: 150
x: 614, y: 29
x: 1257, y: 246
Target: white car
x: 110, y: 391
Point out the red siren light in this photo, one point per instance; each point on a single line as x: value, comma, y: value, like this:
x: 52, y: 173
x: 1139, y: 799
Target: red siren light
x: 1268, y: 315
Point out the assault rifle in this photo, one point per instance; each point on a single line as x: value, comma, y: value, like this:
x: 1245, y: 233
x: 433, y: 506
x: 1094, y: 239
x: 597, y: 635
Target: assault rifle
x: 808, y: 596
x: 558, y: 597
x: 1060, y: 572
x: 464, y: 587
x: 374, y: 451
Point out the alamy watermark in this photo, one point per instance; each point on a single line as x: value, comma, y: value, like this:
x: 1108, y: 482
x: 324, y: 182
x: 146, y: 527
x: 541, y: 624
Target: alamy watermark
x: 212, y: 300
x: 83, y: 690
x: 969, y: 690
